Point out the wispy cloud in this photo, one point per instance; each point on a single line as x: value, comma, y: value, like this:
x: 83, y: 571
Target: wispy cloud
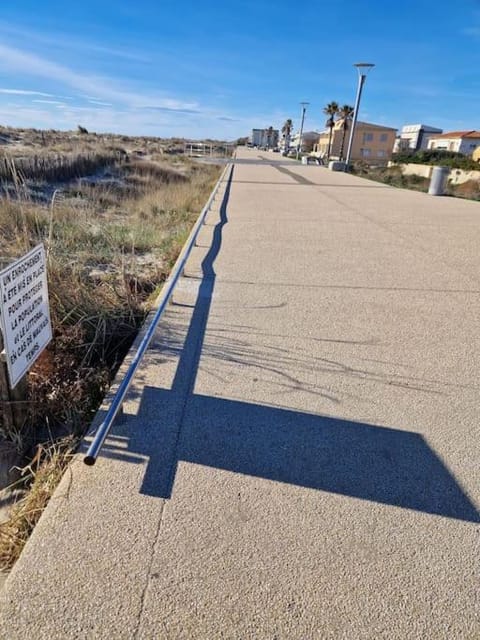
x: 49, y: 101
x: 73, y: 108
x: 25, y: 92
x: 20, y: 61
x: 103, y: 104
x: 126, y: 54
x: 171, y: 109
x: 71, y: 42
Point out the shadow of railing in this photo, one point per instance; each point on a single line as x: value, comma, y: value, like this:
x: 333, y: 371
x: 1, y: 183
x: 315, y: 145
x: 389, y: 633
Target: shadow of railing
x: 365, y: 461
x: 355, y: 459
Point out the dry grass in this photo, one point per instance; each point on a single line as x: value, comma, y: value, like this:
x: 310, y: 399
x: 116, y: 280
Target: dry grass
x: 56, y: 167
x: 392, y: 176
x: 469, y: 189
x: 73, y: 141
x: 42, y: 475
x: 153, y: 169
x: 109, y: 246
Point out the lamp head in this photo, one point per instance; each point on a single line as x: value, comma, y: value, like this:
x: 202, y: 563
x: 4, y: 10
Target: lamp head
x: 363, y: 67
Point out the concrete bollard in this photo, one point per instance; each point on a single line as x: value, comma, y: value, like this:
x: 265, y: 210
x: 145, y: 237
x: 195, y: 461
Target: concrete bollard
x: 438, y: 181
x: 336, y: 165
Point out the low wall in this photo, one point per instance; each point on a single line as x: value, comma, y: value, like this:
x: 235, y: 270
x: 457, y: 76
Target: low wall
x: 457, y: 176
x: 423, y: 170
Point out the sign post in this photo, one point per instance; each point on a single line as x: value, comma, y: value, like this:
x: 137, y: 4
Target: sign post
x: 5, y: 397
x: 25, y: 313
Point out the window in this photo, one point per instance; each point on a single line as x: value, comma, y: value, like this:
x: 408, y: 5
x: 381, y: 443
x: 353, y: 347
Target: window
x: 381, y: 153
x: 365, y: 152
x: 383, y: 137
x: 473, y: 147
x: 367, y: 137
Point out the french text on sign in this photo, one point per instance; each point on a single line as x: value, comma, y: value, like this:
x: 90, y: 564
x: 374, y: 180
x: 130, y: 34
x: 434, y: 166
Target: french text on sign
x: 25, y: 312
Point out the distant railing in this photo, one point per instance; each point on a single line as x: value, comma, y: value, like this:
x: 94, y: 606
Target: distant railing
x: 117, y: 400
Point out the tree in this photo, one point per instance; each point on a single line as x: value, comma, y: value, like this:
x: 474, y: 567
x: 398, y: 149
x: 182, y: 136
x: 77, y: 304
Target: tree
x: 82, y: 130
x: 287, y: 130
x: 345, y: 114
x: 330, y: 110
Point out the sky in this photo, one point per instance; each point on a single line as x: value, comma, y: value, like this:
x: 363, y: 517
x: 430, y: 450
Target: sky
x: 217, y: 69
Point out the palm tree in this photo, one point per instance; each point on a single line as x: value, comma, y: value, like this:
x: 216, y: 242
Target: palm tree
x: 345, y: 114
x: 330, y: 110
x: 287, y: 130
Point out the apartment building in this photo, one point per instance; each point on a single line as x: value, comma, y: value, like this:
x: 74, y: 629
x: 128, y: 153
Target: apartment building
x: 415, y: 137
x: 372, y: 142
x: 309, y: 140
x: 265, y: 138
x: 460, y: 141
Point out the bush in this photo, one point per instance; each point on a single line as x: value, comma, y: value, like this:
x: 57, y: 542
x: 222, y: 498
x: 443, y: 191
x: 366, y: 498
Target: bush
x: 442, y: 157
x: 393, y: 177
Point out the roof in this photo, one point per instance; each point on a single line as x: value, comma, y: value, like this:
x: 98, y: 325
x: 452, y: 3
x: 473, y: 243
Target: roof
x: 374, y: 126
x: 368, y: 125
x: 416, y: 127
x: 308, y: 134
x: 460, y: 134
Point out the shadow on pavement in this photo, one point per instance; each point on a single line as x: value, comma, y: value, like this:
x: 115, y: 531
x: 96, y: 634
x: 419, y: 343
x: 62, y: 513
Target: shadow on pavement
x: 360, y: 460
x: 369, y: 462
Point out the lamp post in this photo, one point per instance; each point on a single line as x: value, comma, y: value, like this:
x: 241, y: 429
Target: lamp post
x: 299, y: 145
x: 363, y: 68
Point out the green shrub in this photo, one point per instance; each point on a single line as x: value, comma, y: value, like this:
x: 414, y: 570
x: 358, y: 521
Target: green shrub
x: 442, y: 157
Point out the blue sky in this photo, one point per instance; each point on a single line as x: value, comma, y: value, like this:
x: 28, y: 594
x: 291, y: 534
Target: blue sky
x: 211, y: 68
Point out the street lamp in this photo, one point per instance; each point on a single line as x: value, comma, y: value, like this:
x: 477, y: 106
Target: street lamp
x: 363, y: 68
x: 304, y: 106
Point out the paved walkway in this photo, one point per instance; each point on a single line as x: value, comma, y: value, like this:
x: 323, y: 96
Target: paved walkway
x: 299, y: 455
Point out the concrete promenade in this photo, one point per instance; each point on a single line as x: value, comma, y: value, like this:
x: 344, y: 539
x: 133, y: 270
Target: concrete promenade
x: 299, y: 454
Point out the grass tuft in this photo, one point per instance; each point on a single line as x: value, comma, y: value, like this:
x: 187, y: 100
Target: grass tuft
x: 42, y: 476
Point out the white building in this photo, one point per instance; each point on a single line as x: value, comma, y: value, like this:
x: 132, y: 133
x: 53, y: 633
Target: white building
x: 257, y: 137
x: 415, y: 137
x: 460, y: 141
x: 309, y: 139
x: 264, y: 138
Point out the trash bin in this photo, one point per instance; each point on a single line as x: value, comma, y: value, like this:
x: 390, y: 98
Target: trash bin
x: 438, y: 181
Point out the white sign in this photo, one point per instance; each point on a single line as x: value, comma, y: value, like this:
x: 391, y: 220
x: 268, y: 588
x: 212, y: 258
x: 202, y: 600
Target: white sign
x: 25, y: 312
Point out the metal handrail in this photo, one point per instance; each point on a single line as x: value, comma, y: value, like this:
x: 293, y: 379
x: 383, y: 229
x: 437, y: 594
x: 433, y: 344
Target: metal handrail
x: 167, y: 290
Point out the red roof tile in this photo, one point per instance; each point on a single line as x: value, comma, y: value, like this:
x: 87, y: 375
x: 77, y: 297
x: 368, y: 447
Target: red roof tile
x: 459, y: 134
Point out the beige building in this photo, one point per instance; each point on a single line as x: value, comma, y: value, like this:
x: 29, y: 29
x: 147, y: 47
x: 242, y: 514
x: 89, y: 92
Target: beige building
x: 372, y: 142
x: 476, y: 155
